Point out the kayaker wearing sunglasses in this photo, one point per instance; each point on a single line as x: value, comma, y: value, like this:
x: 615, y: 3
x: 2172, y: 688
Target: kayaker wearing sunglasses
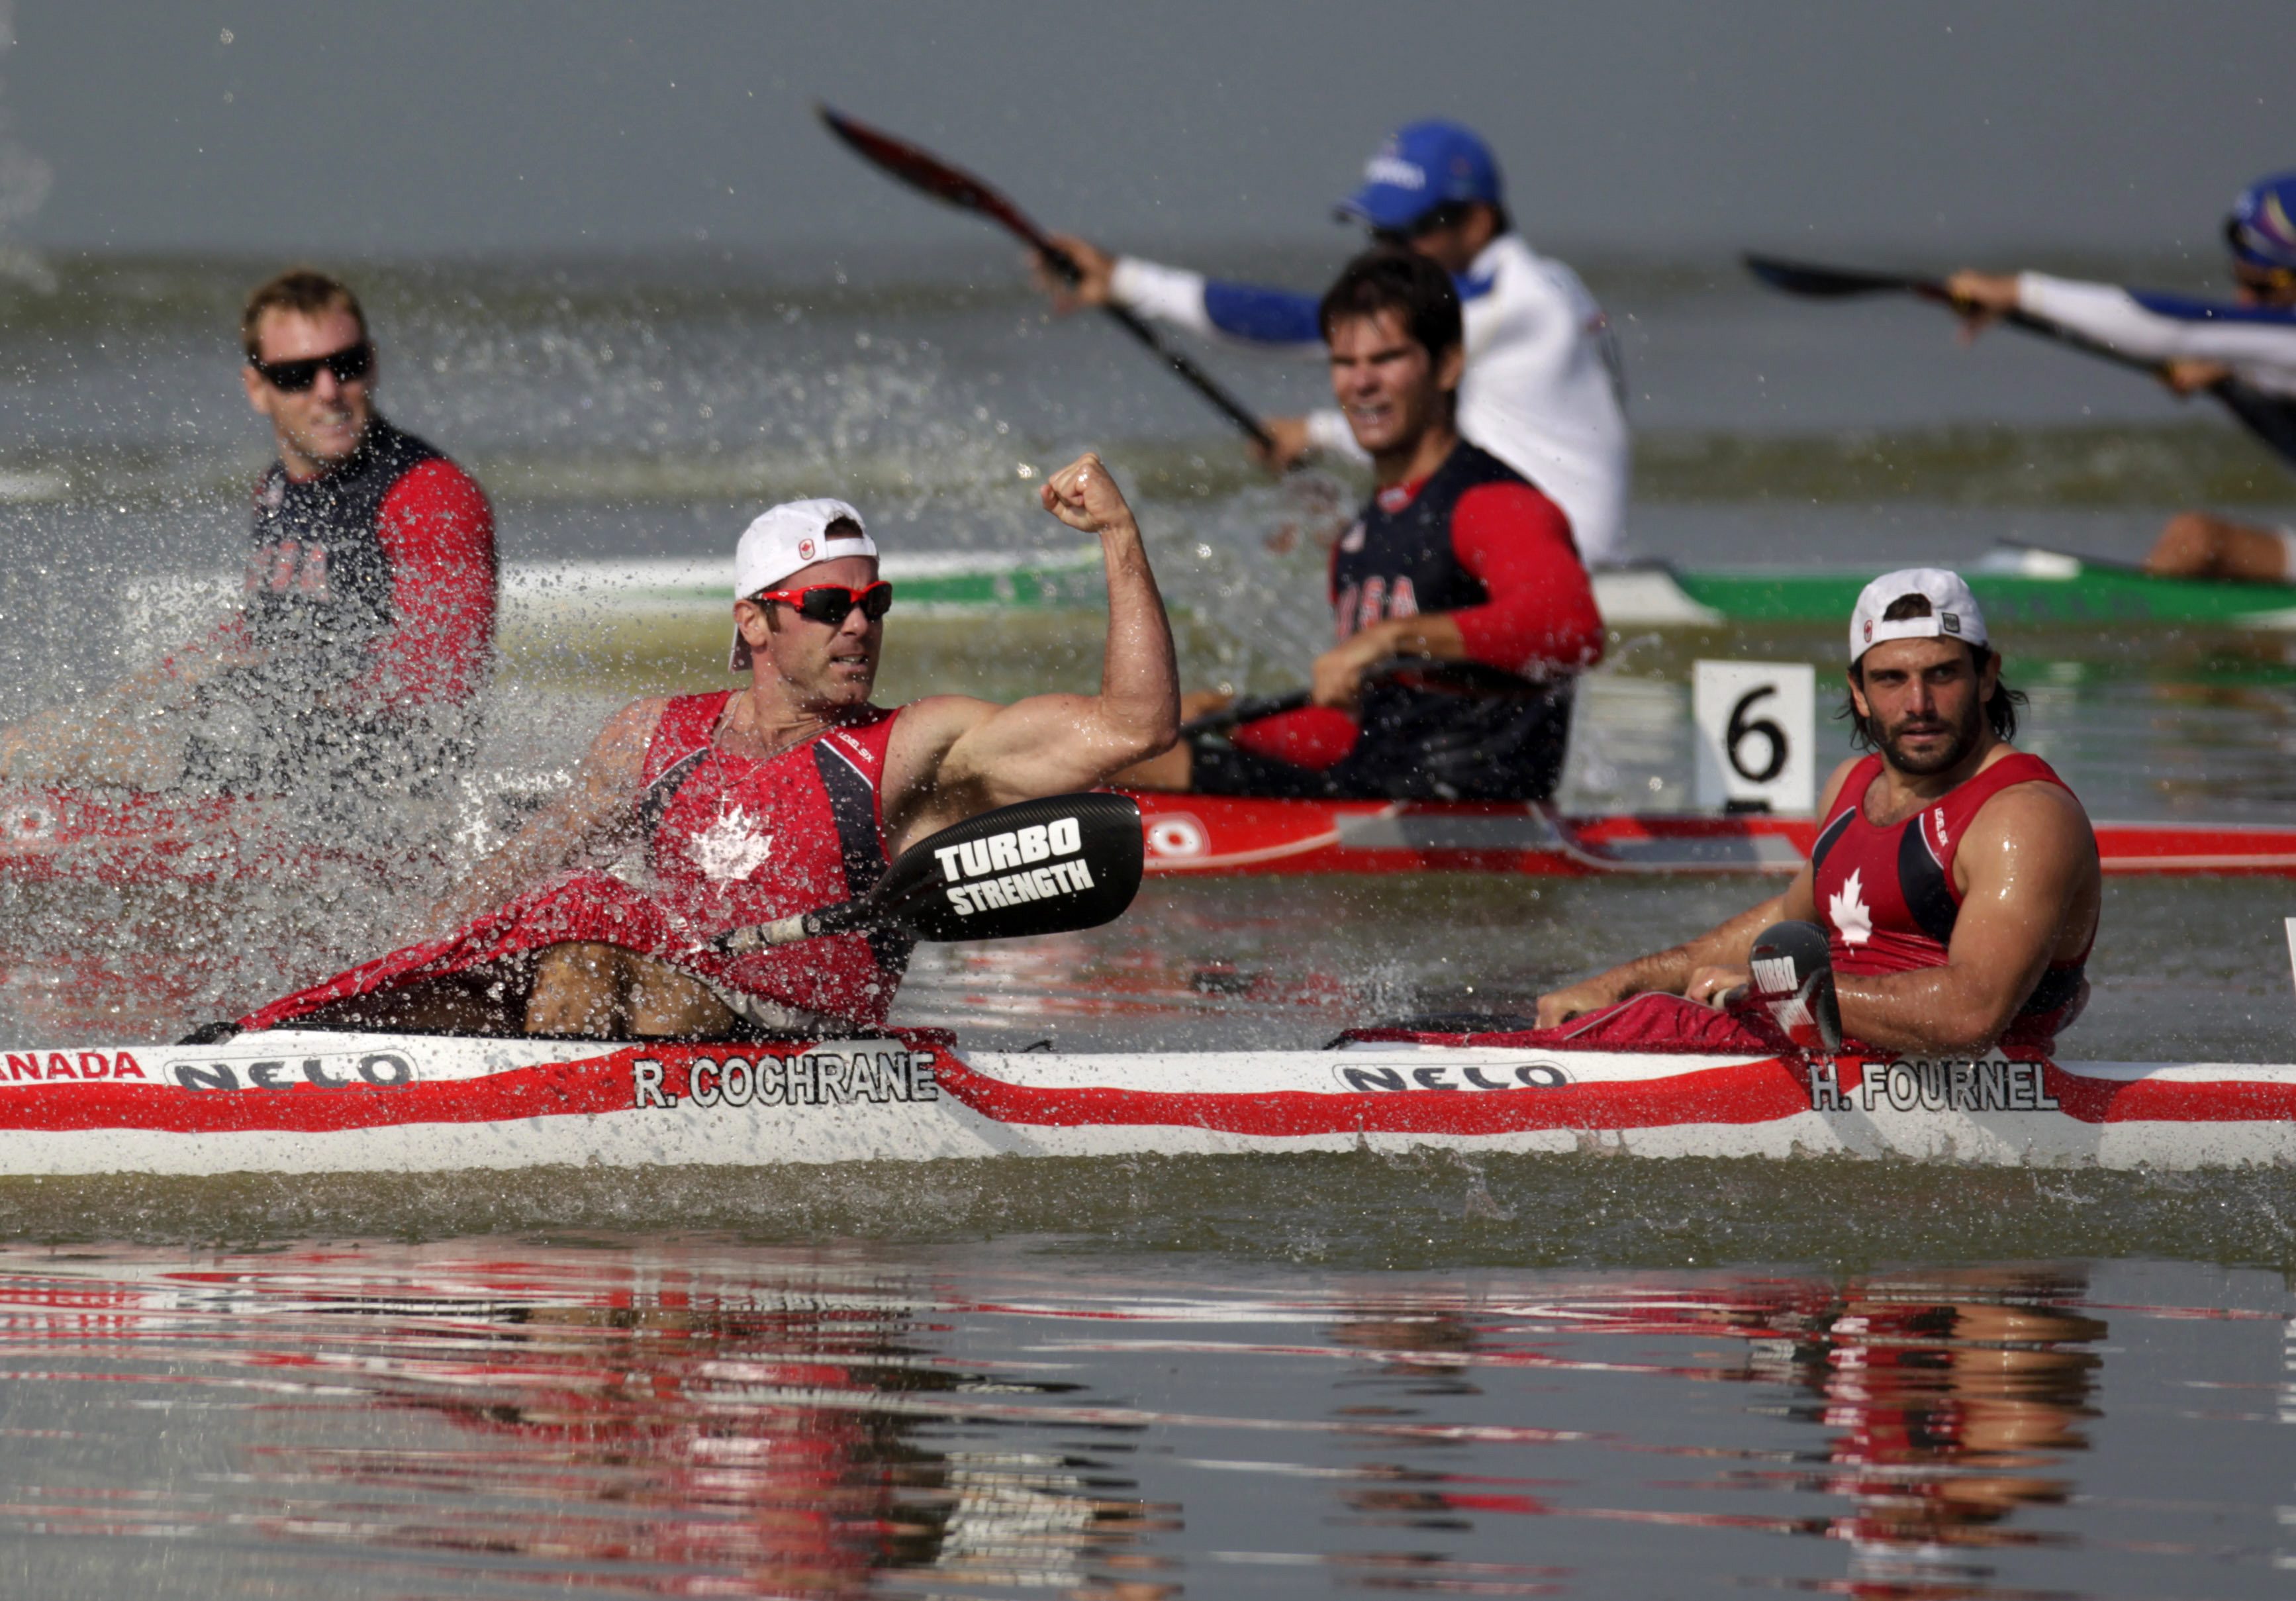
x: 788, y: 794
x: 1543, y: 385
x: 362, y: 639
x: 2244, y: 353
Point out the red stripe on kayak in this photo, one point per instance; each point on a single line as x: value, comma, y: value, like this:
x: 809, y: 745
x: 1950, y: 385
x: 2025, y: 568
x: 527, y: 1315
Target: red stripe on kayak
x: 1757, y: 1092
x: 1754, y: 1092
x: 577, y: 1088
x: 2169, y: 1100
x: 552, y: 1090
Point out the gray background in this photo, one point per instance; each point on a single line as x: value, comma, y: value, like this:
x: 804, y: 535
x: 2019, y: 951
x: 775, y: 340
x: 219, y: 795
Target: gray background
x: 1656, y: 127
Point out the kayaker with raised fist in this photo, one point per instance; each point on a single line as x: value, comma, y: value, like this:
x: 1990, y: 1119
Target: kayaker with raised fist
x: 1455, y: 556
x: 1956, y: 877
x: 1542, y: 388
x: 786, y: 794
x: 364, y: 630
x: 2244, y: 353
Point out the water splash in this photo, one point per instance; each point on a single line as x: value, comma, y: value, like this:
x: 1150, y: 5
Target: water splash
x: 25, y: 180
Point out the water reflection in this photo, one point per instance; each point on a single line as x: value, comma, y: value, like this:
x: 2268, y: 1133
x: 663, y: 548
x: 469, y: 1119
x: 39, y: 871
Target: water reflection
x: 481, y: 1418
x: 1948, y: 1400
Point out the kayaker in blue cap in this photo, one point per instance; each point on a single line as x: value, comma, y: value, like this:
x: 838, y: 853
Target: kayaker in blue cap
x: 1542, y: 389
x: 2245, y: 352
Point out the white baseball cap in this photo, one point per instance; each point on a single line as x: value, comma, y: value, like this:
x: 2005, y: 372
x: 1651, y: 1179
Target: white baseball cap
x: 787, y: 539
x: 1953, y: 610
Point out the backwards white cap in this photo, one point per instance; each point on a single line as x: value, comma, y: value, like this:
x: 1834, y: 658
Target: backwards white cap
x: 785, y: 540
x: 1953, y: 610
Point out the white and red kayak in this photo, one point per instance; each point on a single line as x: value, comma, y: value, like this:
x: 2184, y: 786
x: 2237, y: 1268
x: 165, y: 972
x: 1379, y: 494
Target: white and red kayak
x: 309, y: 1102
x: 1220, y: 835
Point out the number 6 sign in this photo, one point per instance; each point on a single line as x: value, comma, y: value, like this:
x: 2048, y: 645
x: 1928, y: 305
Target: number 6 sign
x: 1757, y: 728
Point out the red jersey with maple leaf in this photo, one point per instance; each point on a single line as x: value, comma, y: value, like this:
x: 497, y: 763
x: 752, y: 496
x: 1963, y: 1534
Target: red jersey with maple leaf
x: 731, y: 841
x: 1886, y: 897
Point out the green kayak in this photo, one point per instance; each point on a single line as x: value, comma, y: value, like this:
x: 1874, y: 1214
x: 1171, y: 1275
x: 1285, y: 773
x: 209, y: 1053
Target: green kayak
x: 2017, y: 585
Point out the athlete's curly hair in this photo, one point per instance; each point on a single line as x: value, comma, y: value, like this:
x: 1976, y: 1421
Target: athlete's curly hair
x: 2000, y: 707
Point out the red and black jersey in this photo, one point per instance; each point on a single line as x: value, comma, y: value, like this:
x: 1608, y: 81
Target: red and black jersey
x: 1476, y: 540
x: 731, y: 841
x: 370, y: 604
x: 1479, y: 543
x: 1886, y: 896
x: 373, y: 583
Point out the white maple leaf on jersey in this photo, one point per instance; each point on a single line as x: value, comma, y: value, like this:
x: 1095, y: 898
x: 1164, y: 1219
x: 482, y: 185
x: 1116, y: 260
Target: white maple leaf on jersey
x: 1847, y: 911
x: 731, y: 848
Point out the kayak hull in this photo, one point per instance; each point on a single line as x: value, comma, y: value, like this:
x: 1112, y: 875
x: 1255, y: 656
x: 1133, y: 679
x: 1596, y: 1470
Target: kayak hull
x: 1219, y: 835
x: 315, y: 1103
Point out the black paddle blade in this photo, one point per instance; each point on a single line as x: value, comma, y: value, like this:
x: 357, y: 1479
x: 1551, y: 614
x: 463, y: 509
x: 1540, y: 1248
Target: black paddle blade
x: 1833, y: 283
x: 921, y: 170
x: 1044, y: 866
x: 1794, y: 979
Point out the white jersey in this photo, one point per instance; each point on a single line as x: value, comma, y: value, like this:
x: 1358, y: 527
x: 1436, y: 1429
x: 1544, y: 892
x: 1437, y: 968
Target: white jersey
x: 2258, y: 343
x: 1542, y: 385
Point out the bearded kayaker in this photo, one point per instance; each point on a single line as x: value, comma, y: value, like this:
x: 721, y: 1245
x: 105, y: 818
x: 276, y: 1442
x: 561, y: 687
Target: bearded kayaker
x: 1956, y: 877
x: 790, y: 793
x: 1543, y: 383
x: 2244, y: 353
x: 364, y: 631
x: 1457, y: 555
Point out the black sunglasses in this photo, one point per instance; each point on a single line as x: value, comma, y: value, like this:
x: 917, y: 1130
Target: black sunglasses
x: 348, y: 365
x: 830, y: 602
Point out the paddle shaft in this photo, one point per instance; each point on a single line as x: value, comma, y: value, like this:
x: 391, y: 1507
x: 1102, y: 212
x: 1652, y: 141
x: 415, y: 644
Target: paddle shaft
x: 927, y: 173
x: 1815, y: 282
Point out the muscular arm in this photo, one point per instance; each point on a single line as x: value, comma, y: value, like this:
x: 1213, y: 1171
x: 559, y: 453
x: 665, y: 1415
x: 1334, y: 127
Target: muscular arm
x: 993, y: 756
x: 2029, y: 866
x: 601, y: 811
x: 440, y: 533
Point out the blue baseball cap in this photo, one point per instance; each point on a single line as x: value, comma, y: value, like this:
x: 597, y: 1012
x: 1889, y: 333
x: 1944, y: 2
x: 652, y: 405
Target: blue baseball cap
x: 1421, y: 167
x: 2262, y: 228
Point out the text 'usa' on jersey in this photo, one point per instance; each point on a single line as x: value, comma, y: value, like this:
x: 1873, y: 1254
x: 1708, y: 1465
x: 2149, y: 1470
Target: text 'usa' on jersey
x: 1397, y: 560
x: 318, y: 582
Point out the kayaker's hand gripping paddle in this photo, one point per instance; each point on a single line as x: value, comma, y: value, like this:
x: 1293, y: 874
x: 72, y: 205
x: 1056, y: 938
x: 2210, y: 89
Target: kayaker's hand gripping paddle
x: 1813, y: 281
x: 1793, y: 982
x: 1044, y: 866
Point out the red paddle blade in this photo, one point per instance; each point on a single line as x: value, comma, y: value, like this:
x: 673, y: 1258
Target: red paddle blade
x: 928, y: 173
